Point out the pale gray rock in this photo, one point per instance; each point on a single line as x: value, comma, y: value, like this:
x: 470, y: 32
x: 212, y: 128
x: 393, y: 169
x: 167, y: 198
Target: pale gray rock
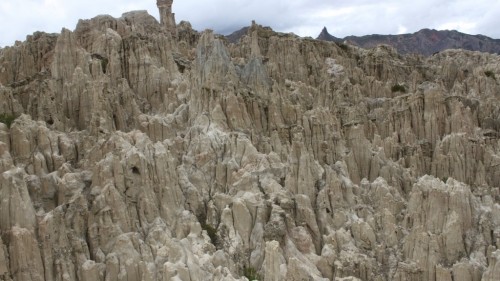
x: 493, y: 270
x: 145, y: 150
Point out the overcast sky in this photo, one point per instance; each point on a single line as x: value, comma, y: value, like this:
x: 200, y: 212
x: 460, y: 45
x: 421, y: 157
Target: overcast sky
x: 19, y: 18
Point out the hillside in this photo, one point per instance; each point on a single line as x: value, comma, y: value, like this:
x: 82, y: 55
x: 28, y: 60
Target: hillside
x: 425, y: 42
x: 132, y: 149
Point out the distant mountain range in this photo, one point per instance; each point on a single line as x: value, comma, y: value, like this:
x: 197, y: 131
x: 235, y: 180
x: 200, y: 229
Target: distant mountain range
x: 425, y: 41
x: 235, y: 36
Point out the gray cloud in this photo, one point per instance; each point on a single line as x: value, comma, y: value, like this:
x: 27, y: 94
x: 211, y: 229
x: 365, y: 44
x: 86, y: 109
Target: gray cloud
x: 306, y: 18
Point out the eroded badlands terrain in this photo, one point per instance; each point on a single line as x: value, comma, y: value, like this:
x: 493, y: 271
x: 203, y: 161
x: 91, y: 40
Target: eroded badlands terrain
x: 145, y: 152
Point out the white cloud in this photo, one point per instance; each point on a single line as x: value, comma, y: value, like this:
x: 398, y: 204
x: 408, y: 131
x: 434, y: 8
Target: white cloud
x: 331, y: 13
x: 304, y: 17
x: 402, y: 29
x: 463, y: 26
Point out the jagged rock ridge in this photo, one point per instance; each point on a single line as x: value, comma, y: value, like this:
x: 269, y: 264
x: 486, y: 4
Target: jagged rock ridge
x: 326, y: 36
x: 146, y: 151
x: 425, y: 41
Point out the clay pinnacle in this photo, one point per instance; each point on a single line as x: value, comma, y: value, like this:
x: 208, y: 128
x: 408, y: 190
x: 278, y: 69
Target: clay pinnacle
x: 167, y: 18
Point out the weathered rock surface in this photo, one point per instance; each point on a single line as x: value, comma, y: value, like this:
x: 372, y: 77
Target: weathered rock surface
x: 140, y: 152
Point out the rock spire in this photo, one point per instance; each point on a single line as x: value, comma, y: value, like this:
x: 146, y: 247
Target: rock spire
x: 167, y: 18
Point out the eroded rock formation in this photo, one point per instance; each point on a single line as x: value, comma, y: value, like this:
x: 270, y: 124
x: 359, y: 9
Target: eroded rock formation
x: 167, y: 18
x: 142, y: 154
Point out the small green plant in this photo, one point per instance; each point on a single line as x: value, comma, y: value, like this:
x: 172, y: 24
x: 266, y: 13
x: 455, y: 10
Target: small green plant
x: 343, y: 46
x: 7, y: 119
x: 104, y: 61
x: 104, y: 65
x: 490, y: 74
x: 211, y: 231
x: 251, y: 273
x: 398, y: 88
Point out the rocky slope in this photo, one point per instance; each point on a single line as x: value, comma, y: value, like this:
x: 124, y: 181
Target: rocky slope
x: 425, y: 41
x: 146, y: 151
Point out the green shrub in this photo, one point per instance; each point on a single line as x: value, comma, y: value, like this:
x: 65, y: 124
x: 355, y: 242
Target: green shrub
x: 104, y: 61
x: 211, y: 231
x: 7, y: 119
x: 398, y: 88
x: 104, y: 65
x: 251, y: 273
x: 490, y: 74
x: 343, y: 46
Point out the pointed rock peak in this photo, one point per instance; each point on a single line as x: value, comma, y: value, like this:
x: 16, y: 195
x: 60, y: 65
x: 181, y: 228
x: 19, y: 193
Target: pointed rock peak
x: 324, y: 35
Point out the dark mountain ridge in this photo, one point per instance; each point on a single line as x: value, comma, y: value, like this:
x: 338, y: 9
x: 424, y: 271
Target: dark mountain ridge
x: 425, y: 41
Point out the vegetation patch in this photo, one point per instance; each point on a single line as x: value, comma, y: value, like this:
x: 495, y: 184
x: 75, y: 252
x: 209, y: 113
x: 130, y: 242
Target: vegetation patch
x: 7, y: 119
x: 251, y: 273
x: 398, y: 88
x: 343, y: 46
x: 211, y: 231
x: 490, y: 74
x: 104, y: 65
x: 104, y: 61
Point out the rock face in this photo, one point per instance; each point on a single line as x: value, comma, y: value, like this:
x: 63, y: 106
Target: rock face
x: 425, y: 41
x: 167, y: 18
x: 138, y: 153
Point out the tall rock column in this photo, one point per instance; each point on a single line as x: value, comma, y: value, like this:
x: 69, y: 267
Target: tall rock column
x: 167, y: 18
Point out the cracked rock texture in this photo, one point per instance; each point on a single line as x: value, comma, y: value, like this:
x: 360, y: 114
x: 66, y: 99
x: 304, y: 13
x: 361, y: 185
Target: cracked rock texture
x: 139, y: 152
